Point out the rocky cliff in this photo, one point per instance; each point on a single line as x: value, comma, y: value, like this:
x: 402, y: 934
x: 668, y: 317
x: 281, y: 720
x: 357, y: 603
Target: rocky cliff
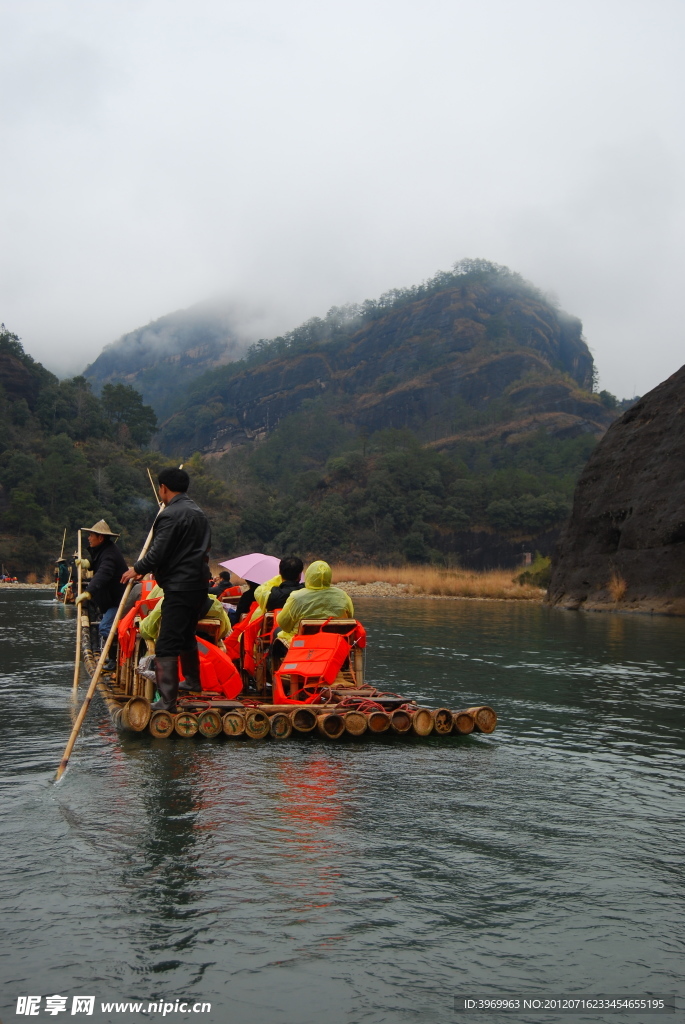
x: 624, y: 545
x: 465, y: 350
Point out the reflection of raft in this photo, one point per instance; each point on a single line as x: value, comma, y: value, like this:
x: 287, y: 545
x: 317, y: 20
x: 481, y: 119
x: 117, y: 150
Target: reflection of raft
x: 323, y: 693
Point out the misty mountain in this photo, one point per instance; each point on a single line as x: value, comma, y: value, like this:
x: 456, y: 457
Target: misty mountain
x: 161, y: 358
x: 451, y: 418
x: 469, y: 349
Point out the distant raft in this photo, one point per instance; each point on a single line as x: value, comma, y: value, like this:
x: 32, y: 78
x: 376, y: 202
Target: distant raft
x: 319, y: 690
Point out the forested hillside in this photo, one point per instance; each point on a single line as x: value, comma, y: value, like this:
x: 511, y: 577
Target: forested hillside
x: 445, y: 422
x: 68, y: 458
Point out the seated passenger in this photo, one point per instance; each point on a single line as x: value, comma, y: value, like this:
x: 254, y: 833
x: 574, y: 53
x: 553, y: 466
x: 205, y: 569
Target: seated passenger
x: 272, y: 595
x: 246, y: 601
x: 317, y: 600
x: 222, y: 583
x: 149, y: 626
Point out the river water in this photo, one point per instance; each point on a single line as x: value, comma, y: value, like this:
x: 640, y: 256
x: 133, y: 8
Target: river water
x: 358, y: 882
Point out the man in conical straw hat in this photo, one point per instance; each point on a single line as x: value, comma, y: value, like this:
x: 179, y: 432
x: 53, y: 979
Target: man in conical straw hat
x: 105, y: 589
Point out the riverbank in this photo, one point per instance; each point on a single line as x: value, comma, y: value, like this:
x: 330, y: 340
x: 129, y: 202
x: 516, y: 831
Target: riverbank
x: 429, y: 582
x: 27, y: 586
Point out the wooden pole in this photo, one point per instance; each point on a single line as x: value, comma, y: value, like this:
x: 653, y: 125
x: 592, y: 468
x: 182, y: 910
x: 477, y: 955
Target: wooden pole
x: 152, y: 484
x: 98, y: 669
x: 79, y: 614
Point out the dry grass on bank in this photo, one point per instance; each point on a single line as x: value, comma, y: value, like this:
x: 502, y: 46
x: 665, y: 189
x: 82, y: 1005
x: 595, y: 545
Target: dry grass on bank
x: 424, y: 579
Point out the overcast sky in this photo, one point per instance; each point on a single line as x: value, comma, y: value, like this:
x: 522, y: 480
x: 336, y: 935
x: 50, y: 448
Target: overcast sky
x: 296, y: 154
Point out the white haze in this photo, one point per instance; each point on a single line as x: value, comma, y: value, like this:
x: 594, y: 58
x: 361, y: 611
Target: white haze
x: 297, y: 154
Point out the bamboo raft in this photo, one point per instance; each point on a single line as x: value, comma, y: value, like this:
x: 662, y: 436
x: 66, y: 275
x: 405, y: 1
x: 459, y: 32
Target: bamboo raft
x: 346, y: 707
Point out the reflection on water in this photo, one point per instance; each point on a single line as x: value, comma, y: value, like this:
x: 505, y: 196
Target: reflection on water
x: 359, y: 881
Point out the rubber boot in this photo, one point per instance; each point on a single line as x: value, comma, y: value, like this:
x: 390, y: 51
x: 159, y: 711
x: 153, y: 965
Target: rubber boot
x: 190, y: 666
x: 111, y: 663
x: 166, y: 677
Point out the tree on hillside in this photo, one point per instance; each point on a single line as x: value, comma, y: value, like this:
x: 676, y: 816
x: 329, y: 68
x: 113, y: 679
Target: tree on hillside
x: 123, y: 406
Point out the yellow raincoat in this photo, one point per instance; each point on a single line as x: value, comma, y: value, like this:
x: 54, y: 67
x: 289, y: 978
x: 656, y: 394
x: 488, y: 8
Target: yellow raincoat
x: 318, y: 600
x: 149, y: 626
x: 261, y: 596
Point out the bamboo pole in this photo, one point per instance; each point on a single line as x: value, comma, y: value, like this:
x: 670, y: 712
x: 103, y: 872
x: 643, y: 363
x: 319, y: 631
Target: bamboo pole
x: 98, y: 668
x: 79, y: 614
x: 152, y: 484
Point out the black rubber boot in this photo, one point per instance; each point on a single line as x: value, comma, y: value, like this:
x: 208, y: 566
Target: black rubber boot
x: 166, y: 677
x: 190, y: 666
x: 111, y: 663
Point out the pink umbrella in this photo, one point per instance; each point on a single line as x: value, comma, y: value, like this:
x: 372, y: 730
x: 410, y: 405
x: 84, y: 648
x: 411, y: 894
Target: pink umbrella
x: 257, y: 568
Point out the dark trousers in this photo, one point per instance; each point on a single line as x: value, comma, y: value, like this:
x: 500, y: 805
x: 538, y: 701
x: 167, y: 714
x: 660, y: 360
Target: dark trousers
x: 180, y: 613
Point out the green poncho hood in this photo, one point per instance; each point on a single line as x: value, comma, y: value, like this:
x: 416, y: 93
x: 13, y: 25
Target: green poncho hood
x: 318, y: 576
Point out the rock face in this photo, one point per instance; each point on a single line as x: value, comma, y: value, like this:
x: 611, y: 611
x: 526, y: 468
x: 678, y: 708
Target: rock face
x: 469, y: 345
x: 624, y: 545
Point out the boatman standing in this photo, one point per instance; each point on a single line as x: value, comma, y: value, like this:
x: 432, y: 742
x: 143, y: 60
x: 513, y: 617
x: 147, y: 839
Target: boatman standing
x: 178, y: 558
x: 105, y: 588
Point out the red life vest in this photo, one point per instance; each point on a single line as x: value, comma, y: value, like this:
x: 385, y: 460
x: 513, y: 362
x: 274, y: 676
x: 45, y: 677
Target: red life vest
x: 217, y: 671
x: 232, y: 641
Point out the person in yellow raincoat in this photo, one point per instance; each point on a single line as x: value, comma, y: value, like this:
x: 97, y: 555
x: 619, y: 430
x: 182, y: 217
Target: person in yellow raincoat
x: 318, y: 600
x: 149, y: 626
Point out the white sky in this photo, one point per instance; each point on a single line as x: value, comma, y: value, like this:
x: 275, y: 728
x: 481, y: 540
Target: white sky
x: 296, y: 154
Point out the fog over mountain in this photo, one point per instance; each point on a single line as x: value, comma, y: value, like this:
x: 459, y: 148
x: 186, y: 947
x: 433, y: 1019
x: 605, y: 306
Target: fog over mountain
x: 301, y: 155
x: 161, y: 358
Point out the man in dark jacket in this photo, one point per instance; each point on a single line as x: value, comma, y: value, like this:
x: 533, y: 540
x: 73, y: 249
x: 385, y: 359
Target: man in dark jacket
x: 290, y: 569
x: 105, y: 588
x: 178, y: 557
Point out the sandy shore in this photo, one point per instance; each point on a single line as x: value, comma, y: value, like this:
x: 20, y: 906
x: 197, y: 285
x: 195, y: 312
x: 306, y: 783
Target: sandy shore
x: 27, y: 586
x: 377, y: 589
x: 405, y: 590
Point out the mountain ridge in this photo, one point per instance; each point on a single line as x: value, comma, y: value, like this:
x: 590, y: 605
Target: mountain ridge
x: 464, y: 337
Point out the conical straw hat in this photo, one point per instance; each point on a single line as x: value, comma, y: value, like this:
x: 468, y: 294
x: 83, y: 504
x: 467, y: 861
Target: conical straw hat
x: 100, y: 527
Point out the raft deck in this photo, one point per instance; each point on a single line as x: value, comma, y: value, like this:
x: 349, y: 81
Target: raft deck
x: 346, y: 707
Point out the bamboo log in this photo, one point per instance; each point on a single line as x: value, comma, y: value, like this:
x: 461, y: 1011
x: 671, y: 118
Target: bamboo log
x: 400, y: 721
x: 256, y: 724
x: 281, y: 726
x: 484, y: 717
x: 463, y: 722
x: 79, y: 619
x: 378, y: 721
x: 331, y: 726
x: 422, y: 722
x: 98, y: 669
x: 233, y: 723
x: 358, y: 663
x: 161, y: 724
x: 209, y: 723
x: 274, y: 709
x: 355, y: 723
x: 136, y: 714
x: 303, y: 719
x: 186, y: 724
x: 442, y: 721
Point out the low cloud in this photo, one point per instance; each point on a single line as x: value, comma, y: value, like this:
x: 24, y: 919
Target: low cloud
x: 290, y: 157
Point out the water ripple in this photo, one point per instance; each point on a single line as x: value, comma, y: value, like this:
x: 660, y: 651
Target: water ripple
x: 359, y: 882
